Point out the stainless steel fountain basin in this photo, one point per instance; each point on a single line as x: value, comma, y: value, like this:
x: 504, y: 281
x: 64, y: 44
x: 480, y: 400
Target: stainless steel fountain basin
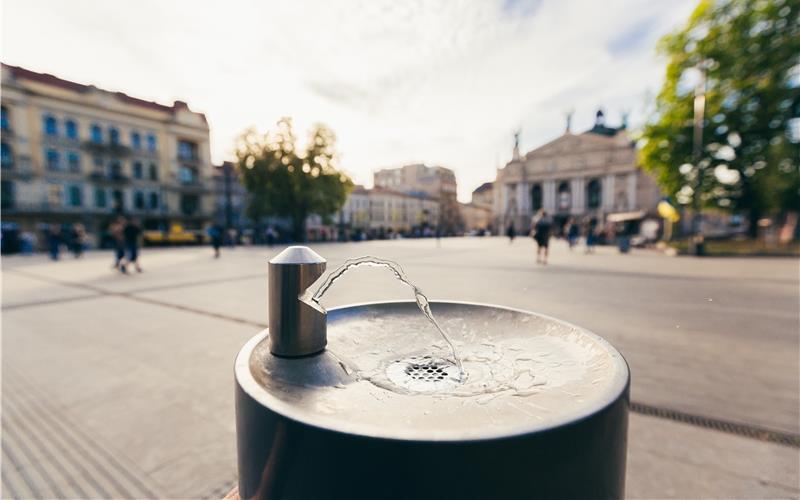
x: 383, y: 412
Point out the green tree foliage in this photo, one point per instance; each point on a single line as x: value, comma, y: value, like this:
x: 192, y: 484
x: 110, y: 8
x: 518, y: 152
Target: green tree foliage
x: 284, y: 181
x: 750, y: 52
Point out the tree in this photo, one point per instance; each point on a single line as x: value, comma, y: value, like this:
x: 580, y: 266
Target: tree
x: 748, y: 52
x: 285, y: 182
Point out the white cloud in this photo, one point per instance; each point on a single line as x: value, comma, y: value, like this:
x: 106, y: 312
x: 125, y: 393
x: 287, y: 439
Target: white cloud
x: 399, y: 81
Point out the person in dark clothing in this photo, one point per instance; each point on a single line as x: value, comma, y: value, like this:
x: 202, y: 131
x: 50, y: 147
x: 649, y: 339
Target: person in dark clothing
x: 54, y: 240
x: 511, y: 232
x: 573, y: 231
x: 116, y: 230
x: 215, y: 233
x: 542, y: 236
x: 132, y: 232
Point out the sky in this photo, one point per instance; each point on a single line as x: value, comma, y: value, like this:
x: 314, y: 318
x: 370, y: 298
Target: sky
x: 399, y: 81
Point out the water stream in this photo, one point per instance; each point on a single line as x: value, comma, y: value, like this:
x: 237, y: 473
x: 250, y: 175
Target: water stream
x: 421, y: 299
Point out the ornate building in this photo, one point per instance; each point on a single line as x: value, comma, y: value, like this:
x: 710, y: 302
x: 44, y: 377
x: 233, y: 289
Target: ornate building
x: 586, y: 176
x: 74, y: 153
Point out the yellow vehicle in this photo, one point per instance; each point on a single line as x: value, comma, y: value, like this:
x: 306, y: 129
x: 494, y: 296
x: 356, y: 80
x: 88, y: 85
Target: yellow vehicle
x: 176, y: 235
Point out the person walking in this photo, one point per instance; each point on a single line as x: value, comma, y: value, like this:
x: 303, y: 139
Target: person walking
x: 79, y: 240
x: 573, y: 231
x: 591, y: 237
x: 132, y: 232
x: 54, y: 240
x: 215, y: 233
x: 511, y: 233
x: 117, y: 232
x: 541, y: 234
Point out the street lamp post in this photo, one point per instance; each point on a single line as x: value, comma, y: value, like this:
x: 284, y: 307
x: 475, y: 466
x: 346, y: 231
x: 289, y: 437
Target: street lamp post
x: 697, y: 153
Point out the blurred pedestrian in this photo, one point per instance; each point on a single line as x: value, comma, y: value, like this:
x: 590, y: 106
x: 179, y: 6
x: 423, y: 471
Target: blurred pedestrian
x: 117, y: 232
x: 573, y: 231
x: 591, y: 237
x: 541, y: 234
x: 132, y: 232
x: 511, y: 233
x: 215, y: 233
x: 27, y: 243
x: 270, y: 236
x: 54, y: 240
x: 78, y: 240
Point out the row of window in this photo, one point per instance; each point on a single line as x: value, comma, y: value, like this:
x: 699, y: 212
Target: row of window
x: 593, y: 195
x: 50, y: 127
x: 72, y: 163
x: 142, y: 200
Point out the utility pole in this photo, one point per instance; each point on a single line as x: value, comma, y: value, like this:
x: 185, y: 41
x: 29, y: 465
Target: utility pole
x: 697, y: 154
x: 227, y: 171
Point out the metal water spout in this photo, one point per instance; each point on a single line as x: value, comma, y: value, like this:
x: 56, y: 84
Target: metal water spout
x: 297, y: 328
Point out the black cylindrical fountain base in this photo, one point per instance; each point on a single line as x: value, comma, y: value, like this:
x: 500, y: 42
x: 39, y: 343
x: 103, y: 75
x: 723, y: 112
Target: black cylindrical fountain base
x: 283, y: 458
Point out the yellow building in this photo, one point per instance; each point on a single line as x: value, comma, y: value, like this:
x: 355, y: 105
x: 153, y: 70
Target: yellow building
x: 73, y: 153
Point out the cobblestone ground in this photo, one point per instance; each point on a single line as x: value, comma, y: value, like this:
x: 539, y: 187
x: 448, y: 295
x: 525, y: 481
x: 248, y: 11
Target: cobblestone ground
x: 121, y: 387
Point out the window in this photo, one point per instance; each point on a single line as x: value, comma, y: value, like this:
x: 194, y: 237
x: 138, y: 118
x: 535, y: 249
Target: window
x: 187, y: 150
x: 6, y: 194
x: 52, y: 159
x: 113, y: 135
x: 97, y: 134
x: 98, y: 162
x: 75, y: 196
x: 187, y: 175
x: 4, y: 123
x: 151, y: 143
x: 153, y: 201
x: 564, y: 196
x: 153, y: 172
x: 136, y: 140
x: 7, y: 155
x: 119, y: 200
x: 100, y: 197
x: 71, y: 130
x: 189, y: 204
x: 55, y: 193
x: 137, y: 170
x: 593, y: 194
x: 115, y: 168
x: 50, y: 125
x: 536, y: 197
x: 138, y: 200
x: 74, y: 161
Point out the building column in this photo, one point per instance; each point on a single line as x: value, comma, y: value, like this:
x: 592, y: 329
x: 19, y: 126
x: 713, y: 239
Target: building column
x: 549, y: 196
x: 632, y: 205
x: 578, y: 195
x: 608, y: 192
x: 523, y: 204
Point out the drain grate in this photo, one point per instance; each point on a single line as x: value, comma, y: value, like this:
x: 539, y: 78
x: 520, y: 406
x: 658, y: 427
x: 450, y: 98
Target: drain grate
x: 423, y: 374
x: 750, y: 431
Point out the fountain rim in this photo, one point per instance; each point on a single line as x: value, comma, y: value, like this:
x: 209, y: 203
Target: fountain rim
x: 248, y: 384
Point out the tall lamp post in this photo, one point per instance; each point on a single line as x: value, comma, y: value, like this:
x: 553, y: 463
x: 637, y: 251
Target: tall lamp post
x: 697, y: 154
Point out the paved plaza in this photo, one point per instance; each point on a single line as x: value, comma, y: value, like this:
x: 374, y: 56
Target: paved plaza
x: 122, y: 386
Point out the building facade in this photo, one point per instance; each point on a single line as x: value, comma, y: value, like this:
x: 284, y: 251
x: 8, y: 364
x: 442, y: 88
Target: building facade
x: 381, y: 211
x: 434, y: 182
x: 73, y: 153
x: 230, y: 197
x: 584, y: 176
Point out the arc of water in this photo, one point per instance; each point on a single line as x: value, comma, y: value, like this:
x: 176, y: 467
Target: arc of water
x: 313, y: 298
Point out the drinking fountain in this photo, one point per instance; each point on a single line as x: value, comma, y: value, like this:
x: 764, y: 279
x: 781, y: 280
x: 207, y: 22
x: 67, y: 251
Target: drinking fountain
x: 366, y: 401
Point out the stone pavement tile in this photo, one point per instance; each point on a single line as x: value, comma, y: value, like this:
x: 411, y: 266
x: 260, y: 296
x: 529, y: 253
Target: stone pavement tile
x: 20, y: 290
x: 674, y: 460
x: 154, y: 384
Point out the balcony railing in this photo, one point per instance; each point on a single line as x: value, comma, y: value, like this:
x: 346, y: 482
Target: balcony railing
x: 98, y: 176
x: 106, y: 149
